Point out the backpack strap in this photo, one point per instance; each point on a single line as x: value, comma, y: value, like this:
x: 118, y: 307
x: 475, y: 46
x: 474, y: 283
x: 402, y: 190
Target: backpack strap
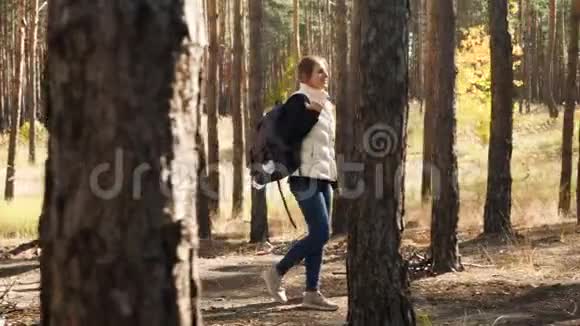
x: 286, y: 205
x: 299, y: 167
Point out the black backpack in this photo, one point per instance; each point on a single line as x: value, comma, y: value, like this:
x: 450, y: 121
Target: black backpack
x: 272, y: 157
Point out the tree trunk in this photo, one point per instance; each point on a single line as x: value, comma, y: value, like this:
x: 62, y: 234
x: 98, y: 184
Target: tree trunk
x: 528, y: 46
x: 377, y: 275
x: 499, y: 179
x: 3, y: 72
x: 296, y: 29
x: 550, y: 56
x: 568, y: 126
x: 213, y: 168
x: 445, y: 211
x: 343, y: 116
x: 237, y: 119
x: 535, y: 55
x: 259, y: 217
x: 34, y: 74
x: 571, y: 98
x: 201, y: 203
x: 431, y: 74
x: 223, y: 61
x: 122, y: 241
x: 15, y: 113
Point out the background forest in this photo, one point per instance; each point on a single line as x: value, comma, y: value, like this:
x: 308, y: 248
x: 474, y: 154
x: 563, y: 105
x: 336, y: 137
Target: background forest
x: 537, y: 137
x: 475, y: 171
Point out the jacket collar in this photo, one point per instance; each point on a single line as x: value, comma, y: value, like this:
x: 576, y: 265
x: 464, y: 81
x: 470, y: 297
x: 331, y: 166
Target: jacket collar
x: 315, y: 95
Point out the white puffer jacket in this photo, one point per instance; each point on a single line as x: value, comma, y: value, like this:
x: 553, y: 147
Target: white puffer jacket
x: 318, y: 159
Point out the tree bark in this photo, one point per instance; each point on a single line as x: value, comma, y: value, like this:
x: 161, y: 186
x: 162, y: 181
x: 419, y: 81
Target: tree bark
x: 296, y: 29
x: 343, y: 116
x: 445, y: 210
x: 16, y: 108
x: 237, y: 119
x: 550, y: 55
x: 201, y: 203
x: 568, y: 127
x: 377, y: 275
x: 259, y: 217
x: 499, y: 179
x: 430, y: 75
x: 528, y: 49
x: 34, y: 74
x: 571, y: 99
x: 118, y: 227
x: 213, y: 168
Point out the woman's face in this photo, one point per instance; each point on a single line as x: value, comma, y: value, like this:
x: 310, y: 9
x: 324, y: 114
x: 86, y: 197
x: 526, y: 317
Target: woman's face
x: 319, y: 77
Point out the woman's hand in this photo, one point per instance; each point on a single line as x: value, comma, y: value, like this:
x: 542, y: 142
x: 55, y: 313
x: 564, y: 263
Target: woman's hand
x: 315, y: 106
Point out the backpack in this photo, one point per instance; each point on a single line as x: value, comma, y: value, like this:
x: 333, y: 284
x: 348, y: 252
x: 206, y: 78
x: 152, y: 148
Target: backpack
x: 271, y: 157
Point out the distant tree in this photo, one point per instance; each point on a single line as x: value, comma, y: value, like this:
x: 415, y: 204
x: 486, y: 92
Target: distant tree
x: 572, y: 82
x: 377, y: 276
x: 430, y: 76
x: 499, y: 178
x: 568, y: 126
x: 18, y: 80
x: 259, y: 213
x: 213, y: 168
x: 445, y: 211
x: 236, y: 111
x: 118, y: 245
x: 550, y: 58
x: 343, y: 113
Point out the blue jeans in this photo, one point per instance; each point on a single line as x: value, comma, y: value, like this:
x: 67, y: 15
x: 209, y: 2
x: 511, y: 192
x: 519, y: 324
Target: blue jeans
x: 314, y: 197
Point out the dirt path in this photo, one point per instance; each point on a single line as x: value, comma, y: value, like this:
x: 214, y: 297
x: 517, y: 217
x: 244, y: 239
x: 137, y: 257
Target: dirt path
x: 532, y: 281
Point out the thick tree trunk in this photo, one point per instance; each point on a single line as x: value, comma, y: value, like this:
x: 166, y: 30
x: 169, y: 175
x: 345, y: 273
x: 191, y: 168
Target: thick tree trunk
x: 237, y: 119
x: 377, y: 275
x: 499, y: 179
x: 430, y: 76
x: 343, y: 116
x: 213, y: 168
x: 259, y: 218
x: 445, y: 211
x: 118, y: 227
x: 15, y: 114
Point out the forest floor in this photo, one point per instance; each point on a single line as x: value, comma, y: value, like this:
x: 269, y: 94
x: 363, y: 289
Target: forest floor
x: 533, y: 280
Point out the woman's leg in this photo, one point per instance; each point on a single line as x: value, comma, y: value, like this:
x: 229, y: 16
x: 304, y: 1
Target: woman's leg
x: 313, y: 261
x: 312, y: 204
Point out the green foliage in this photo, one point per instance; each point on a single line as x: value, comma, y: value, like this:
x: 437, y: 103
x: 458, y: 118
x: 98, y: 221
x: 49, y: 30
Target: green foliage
x: 41, y: 134
x: 285, y: 86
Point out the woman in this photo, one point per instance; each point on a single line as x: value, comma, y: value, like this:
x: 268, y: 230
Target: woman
x: 310, y: 121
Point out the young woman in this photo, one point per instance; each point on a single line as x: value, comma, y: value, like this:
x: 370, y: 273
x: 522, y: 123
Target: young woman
x: 311, y: 120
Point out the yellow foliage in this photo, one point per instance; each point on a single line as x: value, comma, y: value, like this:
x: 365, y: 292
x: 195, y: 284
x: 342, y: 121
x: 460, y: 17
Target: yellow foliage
x: 473, y: 86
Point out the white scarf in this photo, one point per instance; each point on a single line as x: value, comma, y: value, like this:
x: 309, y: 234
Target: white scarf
x: 319, y: 96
